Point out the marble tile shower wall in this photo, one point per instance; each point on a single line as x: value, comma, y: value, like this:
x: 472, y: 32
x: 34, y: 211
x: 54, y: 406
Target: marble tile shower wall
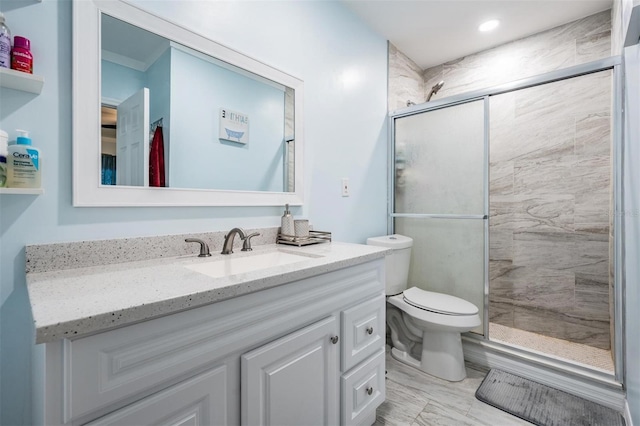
x: 550, y: 176
x: 549, y: 209
x: 405, y: 81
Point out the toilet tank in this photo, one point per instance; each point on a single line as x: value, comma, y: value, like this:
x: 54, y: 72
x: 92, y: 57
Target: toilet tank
x: 397, y: 263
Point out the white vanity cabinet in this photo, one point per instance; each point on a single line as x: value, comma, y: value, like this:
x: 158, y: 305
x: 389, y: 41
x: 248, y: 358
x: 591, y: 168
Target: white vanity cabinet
x: 307, y: 352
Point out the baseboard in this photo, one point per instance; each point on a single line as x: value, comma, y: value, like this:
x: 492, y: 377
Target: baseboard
x: 627, y: 414
x: 594, y: 388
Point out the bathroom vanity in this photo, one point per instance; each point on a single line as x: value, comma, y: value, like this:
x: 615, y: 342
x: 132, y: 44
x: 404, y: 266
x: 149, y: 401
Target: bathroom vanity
x: 219, y: 340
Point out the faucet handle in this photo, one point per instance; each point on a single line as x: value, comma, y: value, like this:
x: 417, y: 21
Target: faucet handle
x: 204, y: 248
x: 246, y: 246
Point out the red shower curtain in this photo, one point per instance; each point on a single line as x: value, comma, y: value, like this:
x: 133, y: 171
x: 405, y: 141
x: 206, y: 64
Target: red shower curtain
x: 156, y: 159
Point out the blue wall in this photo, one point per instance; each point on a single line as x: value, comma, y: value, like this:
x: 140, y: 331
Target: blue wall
x: 345, y: 136
x: 120, y: 82
x: 199, y: 159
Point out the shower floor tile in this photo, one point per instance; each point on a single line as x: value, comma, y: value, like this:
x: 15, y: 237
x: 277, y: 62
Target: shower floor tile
x: 576, y: 352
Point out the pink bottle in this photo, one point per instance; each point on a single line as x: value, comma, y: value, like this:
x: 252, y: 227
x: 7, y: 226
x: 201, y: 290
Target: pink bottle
x: 21, y: 58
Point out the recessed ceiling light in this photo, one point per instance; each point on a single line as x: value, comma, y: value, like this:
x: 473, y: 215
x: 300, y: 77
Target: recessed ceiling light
x: 489, y: 25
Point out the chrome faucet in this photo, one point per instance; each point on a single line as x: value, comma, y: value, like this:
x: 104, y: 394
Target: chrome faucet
x: 227, y: 247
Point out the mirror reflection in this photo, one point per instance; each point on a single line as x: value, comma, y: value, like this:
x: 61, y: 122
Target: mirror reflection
x: 174, y: 117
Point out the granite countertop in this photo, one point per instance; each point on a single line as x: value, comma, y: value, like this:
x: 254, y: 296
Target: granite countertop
x: 75, y: 302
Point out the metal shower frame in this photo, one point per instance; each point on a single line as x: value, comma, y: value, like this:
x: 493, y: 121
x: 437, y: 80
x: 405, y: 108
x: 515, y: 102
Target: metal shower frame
x: 613, y: 63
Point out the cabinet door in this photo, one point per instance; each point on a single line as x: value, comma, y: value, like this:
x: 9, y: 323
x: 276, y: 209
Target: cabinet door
x: 199, y: 401
x: 293, y: 380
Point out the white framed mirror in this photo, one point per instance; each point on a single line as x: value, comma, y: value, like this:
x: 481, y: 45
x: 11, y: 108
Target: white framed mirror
x: 231, y: 134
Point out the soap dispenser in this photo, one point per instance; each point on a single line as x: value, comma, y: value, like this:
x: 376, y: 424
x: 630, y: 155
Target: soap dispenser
x: 286, y: 226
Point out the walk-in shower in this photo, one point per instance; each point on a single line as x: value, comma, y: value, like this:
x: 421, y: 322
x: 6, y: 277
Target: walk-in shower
x: 509, y: 194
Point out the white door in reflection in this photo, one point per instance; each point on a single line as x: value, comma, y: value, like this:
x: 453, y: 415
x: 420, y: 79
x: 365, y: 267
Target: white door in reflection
x: 132, y: 167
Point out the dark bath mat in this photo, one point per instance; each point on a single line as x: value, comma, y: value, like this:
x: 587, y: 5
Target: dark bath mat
x: 542, y: 405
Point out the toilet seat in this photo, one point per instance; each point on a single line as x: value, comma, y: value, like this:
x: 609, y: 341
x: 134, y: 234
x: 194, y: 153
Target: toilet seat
x: 434, y: 320
x: 438, y: 303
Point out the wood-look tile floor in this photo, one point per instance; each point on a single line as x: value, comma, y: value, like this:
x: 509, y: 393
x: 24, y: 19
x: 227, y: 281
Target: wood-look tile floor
x: 415, y: 398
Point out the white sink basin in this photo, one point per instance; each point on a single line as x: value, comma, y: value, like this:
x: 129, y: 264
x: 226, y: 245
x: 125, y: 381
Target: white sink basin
x: 238, y: 265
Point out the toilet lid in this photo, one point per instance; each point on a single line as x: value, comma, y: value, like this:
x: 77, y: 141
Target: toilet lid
x: 438, y: 302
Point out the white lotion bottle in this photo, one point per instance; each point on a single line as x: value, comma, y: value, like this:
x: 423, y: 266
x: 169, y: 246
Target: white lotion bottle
x: 286, y: 225
x: 23, y: 163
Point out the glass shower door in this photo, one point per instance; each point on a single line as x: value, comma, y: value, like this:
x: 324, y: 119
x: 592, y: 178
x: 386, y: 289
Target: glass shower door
x: 439, y: 198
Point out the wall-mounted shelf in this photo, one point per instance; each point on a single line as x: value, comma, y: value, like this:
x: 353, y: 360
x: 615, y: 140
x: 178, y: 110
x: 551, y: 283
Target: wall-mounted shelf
x: 18, y: 80
x: 22, y: 191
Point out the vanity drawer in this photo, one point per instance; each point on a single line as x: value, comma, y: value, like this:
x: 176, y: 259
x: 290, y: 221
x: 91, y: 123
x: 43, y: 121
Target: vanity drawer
x: 363, y: 329
x: 362, y: 389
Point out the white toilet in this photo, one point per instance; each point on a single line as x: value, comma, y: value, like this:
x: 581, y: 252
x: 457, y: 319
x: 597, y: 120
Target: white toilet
x: 425, y: 326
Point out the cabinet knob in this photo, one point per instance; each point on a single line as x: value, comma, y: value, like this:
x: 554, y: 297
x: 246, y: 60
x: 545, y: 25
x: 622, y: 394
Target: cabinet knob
x: 370, y: 330
x: 334, y: 339
x: 369, y: 390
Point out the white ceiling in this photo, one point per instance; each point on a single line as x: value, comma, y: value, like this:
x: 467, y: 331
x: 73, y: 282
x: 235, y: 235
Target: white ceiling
x: 432, y: 32
x: 118, y: 46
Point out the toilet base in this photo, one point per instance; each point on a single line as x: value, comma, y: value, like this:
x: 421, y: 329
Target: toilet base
x: 442, y: 357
